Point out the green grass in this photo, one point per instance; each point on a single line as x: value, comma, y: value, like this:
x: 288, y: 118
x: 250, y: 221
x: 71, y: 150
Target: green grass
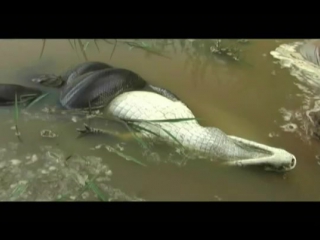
x: 89, y: 185
x: 18, y: 190
x: 37, y: 100
x: 163, y: 121
x: 43, y: 47
x: 141, y: 142
x: 197, y: 50
x: 173, y: 120
x: 16, y: 117
x: 126, y: 157
x: 114, y: 48
x: 134, y: 129
x: 82, y: 49
x: 146, y: 47
x: 78, y: 44
x: 157, y: 135
x: 94, y: 188
x: 129, y: 124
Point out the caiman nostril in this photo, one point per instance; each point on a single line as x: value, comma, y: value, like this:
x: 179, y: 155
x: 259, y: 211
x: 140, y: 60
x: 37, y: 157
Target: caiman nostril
x: 293, y: 162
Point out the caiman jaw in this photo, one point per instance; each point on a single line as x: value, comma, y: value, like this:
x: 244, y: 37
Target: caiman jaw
x: 276, y: 159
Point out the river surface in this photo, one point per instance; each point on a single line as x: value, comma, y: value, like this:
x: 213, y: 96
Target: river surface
x: 242, y: 98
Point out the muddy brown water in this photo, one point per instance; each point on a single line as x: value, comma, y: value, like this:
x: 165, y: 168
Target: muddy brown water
x: 241, y: 99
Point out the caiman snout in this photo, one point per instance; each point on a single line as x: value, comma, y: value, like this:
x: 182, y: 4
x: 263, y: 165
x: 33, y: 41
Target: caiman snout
x: 284, y: 165
x: 280, y: 160
x: 271, y: 158
x: 293, y: 162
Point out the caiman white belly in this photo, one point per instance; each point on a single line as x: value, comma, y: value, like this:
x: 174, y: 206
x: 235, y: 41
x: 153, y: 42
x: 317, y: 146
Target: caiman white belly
x: 141, y: 105
x: 204, y: 141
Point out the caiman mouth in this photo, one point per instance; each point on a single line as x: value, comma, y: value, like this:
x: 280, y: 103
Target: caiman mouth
x: 275, y: 159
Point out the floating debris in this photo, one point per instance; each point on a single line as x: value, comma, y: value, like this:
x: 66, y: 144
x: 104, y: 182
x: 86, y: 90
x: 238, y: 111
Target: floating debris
x: 15, y: 162
x: 49, y: 110
x: 74, y: 119
x: 94, y: 114
x: 48, y: 134
x: 287, y: 114
x: 230, y: 52
x: 273, y: 134
x: 218, y: 198
x: 243, y: 41
x: 85, y: 195
x: 53, y: 179
x: 97, y: 147
x: 151, y: 156
x: 119, y: 147
x: 290, y: 127
x: 52, y: 168
x: 44, y: 172
x: 109, y: 173
x: 73, y: 197
x: 2, y: 164
x: 32, y: 158
x: 124, y: 156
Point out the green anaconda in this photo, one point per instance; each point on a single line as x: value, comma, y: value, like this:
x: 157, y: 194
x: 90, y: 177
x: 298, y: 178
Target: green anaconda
x: 10, y: 93
x: 87, y: 80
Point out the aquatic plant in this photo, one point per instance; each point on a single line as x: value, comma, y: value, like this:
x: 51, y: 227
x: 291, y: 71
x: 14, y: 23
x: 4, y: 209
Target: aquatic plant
x: 200, y: 47
x: 16, y: 117
x: 135, y: 130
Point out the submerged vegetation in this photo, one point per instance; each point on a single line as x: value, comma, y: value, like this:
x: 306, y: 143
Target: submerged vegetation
x: 16, y: 116
x: 194, y: 48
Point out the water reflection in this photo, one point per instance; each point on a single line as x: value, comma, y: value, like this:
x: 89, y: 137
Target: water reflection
x: 199, y: 53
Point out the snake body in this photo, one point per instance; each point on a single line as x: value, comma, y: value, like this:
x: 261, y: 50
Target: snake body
x: 57, y: 81
x: 24, y: 94
x: 94, y: 84
x: 97, y: 88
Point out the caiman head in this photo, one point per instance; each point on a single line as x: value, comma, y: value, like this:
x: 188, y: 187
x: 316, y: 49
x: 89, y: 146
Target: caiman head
x: 271, y: 158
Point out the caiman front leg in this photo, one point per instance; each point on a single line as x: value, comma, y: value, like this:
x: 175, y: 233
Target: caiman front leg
x: 128, y: 136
